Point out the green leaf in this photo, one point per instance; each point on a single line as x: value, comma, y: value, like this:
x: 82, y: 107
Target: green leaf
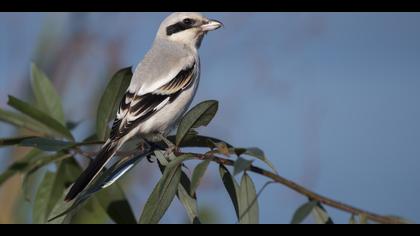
x: 114, y: 202
x: 61, y: 182
x: 248, y: 203
x: 46, y: 96
x: 197, y: 175
x: 61, y: 211
x: 21, y: 121
x: 110, y: 101
x: 200, y: 115
x: 40, y: 116
x: 161, y: 196
x: 46, y: 144
x: 254, y: 152
x: 18, y: 166
x: 231, y: 186
x: 28, y: 185
x: 160, y: 156
x: 40, y: 210
x: 303, y: 211
x: 180, y: 159
x: 13, y: 141
x: 189, y: 202
x: 321, y: 215
x: 90, y: 213
x: 198, y: 141
x: 240, y: 165
x: 29, y: 177
x: 38, y: 160
x: 42, y: 160
x: 54, y: 187
x: 61, y: 206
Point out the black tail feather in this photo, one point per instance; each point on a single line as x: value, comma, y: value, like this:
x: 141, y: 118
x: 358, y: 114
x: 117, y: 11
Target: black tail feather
x: 95, y: 166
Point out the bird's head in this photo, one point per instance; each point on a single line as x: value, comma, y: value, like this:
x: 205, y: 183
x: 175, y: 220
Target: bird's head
x: 187, y: 28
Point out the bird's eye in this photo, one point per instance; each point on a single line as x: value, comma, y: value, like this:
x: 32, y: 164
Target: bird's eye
x: 188, y: 21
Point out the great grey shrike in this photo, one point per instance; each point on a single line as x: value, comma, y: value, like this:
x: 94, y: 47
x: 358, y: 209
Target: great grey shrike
x: 161, y: 90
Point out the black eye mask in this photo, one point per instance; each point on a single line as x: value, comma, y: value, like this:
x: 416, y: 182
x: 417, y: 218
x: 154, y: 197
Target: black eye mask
x: 178, y: 27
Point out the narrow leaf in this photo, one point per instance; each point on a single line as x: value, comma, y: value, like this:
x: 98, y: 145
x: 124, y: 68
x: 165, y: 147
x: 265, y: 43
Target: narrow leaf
x: 29, y: 176
x: 42, y: 160
x: 46, y: 144
x: 61, y: 182
x: 110, y: 101
x: 46, y: 96
x: 240, y: 165
x: 61, y: 206
x: 40, y: 213
x: 254, y: 152
x: 13, y: 141
x: 40, y: 116
x: 303, y: 211
x: 189, y: 202
x: 198, y: 141
x: 90, y: 213
x: 231, y: 186
x: 197, y: 175
x: 248, y: 204
x: 200, y: 115
x: 161, y: 196
x: 28, y: 185
x: 22, y: 121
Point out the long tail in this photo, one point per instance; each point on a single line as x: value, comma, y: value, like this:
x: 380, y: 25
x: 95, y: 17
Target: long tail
x: 93, y: 169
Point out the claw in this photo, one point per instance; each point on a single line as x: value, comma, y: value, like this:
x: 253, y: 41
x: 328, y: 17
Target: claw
x: 171, y: 149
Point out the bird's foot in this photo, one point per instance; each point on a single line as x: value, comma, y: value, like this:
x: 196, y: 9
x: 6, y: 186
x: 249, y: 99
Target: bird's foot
x: 172, y: 149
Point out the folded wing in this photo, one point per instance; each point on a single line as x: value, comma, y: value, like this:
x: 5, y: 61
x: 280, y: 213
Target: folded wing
x: 136, y: 108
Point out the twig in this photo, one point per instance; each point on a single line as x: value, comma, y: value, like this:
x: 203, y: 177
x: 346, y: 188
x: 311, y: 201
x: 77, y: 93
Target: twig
x: 302, y: 190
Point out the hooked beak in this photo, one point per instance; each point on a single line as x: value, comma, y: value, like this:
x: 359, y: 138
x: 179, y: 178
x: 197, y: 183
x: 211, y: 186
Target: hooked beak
x: 211, y: 25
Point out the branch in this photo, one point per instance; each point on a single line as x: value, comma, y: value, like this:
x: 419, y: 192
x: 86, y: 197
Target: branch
x: 302, y: 190
x: 294, y: 186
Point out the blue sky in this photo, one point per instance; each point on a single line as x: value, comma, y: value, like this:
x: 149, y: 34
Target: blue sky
x: 332, y: 98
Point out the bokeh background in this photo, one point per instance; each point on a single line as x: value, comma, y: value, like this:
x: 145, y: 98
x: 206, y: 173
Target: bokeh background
x: 332, y: 98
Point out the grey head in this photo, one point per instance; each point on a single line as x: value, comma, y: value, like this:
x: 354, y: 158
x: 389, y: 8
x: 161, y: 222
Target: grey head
x: 187, y: 28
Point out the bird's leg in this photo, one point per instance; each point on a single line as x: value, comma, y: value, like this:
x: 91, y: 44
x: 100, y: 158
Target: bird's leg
x: 145, y: 146
x: 171, y: 147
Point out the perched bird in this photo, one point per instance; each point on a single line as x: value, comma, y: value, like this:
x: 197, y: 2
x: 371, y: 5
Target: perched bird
x: 161, y: 90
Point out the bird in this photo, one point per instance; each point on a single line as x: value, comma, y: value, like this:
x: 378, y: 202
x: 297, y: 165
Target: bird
x: 161, y: 90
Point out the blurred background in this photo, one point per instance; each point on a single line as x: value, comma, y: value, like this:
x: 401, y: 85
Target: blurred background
x: 332, y: 99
